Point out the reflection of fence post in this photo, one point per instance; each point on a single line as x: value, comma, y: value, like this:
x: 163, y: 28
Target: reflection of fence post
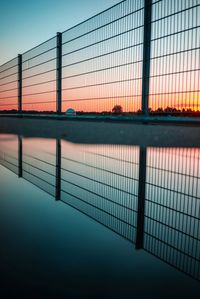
x: 59, y: 73
x: 146, y: 56
x: 141, y: 198
x: 58, y: 169
x: 19, y: 83
x: 19, y: 156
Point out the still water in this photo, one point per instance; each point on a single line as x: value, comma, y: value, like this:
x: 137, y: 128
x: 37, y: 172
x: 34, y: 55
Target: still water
x: 98, y: 221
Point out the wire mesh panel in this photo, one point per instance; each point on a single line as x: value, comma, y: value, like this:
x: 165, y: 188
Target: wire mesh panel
x: 102, y: 182
x: 9, y: 85
x: 172, y: 208
x: 39, y: 77
x: 102, y: 60
x: 175, y: 56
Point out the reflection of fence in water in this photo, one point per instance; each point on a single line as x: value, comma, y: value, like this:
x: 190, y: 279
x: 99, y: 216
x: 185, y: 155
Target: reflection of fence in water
x: 172, y: 207
x: 103, y: 182
x: 39, y: 164
x: 9, y: 153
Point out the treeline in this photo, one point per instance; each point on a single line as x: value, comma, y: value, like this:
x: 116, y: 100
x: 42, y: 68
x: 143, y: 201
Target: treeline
x: 118, y: 110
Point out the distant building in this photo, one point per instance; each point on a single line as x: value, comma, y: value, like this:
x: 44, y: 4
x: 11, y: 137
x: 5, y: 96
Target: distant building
x: 70, y: 112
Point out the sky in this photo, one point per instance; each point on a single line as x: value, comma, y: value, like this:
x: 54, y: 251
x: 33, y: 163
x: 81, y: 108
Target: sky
x: 26, y: 23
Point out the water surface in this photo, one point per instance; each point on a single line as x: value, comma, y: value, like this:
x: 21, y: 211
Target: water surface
x: 98, y: 221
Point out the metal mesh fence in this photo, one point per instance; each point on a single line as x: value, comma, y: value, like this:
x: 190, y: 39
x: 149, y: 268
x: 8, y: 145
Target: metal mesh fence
x: 138, y: 56
x: 102, y: 60
x: 9, y: 85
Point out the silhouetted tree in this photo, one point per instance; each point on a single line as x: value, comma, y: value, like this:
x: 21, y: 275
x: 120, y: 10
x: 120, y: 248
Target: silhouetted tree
x: 117, y: 109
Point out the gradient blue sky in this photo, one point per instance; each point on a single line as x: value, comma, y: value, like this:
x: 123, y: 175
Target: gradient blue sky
x: 26, y: 23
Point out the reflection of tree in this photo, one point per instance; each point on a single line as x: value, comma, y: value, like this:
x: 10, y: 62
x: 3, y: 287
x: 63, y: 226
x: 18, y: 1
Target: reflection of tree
x: 117, y: 109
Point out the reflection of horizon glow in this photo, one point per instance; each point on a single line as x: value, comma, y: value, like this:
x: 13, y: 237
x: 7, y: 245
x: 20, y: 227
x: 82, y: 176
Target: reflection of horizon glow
x: 102, y: 62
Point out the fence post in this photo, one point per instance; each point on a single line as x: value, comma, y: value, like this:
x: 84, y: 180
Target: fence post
x: 59, y: 73
x: 19, y: 83
x: 141, y: 198
x: 146, y: 56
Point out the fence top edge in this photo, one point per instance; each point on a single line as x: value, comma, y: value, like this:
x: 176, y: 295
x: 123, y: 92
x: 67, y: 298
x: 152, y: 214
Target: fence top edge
x: 90, y: 18
x: 16, y: 57
x: 39, y: 45
x: 9, y: 61
x: 66, y: 31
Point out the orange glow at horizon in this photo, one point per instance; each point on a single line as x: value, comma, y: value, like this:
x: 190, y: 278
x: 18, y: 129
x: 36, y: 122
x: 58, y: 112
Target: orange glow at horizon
x: 129, y: 104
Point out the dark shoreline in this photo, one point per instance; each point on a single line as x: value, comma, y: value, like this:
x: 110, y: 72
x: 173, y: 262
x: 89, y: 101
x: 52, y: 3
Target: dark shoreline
x: 103, y: 132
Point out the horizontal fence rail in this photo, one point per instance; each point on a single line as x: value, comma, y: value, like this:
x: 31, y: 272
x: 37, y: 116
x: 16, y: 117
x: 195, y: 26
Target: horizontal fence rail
x: 136, y: 58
